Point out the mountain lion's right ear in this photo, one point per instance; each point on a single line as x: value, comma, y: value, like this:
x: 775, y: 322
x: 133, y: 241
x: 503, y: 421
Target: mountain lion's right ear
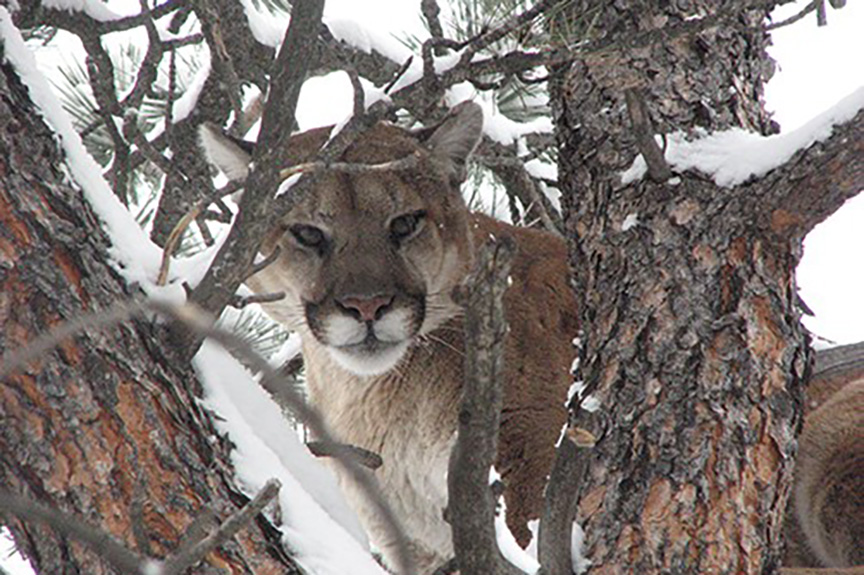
x: 223, y: 152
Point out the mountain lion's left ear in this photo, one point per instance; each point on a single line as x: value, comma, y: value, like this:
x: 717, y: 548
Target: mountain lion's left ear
x: 455, y: 138
x: 224, y: 152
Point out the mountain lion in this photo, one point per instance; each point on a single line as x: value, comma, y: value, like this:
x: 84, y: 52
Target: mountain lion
x: 369, y: 261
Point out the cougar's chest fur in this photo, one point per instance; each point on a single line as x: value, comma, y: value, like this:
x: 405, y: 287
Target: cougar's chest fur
x: 408, y: 417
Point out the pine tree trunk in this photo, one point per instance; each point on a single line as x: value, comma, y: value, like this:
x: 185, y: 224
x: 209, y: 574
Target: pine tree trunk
x: 691, y: 335
x: 107, y: 418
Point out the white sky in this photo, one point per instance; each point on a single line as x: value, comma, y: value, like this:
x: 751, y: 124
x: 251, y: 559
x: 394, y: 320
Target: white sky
x: 816, y: 68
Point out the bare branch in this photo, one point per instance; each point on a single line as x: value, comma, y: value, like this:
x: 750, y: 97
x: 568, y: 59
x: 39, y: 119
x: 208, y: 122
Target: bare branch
x: 431, y: 11
x: 239, y: 302
x: 471, y: 506
x: 66, y: 19
x: 150, y: 65
x: 364, y: 457
x: 821, y: 15
x: 124, y: 559
x: 220, y: 57
x: 271, y: 257
x: 296, y: 58
x: 401, y: 72
x: 359, y: 94
x: 178, y: 563
x: 792, y: 19
x: 405, y: 163
x: 174, y: 240
x: 811, y: 186
x: 513, y: 23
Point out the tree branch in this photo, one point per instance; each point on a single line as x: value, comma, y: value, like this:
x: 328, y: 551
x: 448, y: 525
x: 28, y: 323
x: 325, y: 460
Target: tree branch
x: 658, y: 169
x: 124, y: 559
x: 814, y: 183
x: 296, y: 58
x: 471, y: 507
x: 189, y: 556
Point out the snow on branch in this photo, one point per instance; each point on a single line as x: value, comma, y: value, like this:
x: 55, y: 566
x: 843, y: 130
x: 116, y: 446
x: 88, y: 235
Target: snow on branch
x: 735, y: 156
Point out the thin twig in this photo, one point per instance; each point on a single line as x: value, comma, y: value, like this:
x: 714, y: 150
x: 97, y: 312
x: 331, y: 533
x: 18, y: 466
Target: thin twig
x: 399, y: 73
x: 359, y: 93
x: 239, y: 302
x: 102, y: 543
x: 431, y: 11
x: 658, y: 170
x: 178, y: 563
x: 180, y: 227
x: 821, y: 15
x: 174, y: 239
x: 404, y: 163
x: 148, y: 69
x: 364, y: 457
x: 513, y: 23
x: 62, y: 18
x: 792, y: 19
x: 257, y: 267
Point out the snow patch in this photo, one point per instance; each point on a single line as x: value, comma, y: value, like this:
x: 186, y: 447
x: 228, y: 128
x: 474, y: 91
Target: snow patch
x: 184, y: 105
x: 577, y: 539
x: 11, y: 559
x: 92, y: 8
x: 733, y: 157
x: 367, y: 40
x: 590, y: 403
x: 267, y: 28
x: 631, y: 221
x: 317, y: 524
x: 510, y: 550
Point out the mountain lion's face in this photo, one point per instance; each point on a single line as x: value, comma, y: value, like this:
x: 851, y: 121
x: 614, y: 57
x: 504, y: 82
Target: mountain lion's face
x: 369, y: 260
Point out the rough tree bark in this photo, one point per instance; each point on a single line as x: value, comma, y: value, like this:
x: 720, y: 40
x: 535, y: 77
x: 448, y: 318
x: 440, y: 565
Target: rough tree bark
x: 692, y: 341
x: 107, y: 419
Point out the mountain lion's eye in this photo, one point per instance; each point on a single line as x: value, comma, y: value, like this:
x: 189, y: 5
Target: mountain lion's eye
x: 405, y: 226
x: 308, y: 236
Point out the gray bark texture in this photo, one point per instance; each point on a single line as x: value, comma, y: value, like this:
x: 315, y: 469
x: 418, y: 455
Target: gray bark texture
x: 691, y: 334
x: 109, y: 418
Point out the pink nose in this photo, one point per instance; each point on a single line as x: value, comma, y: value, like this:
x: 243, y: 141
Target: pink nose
x: 368, y: 308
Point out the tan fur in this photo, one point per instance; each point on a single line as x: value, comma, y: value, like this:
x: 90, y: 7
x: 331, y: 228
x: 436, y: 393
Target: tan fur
x: 407, y: 414
x: 825, y: 526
